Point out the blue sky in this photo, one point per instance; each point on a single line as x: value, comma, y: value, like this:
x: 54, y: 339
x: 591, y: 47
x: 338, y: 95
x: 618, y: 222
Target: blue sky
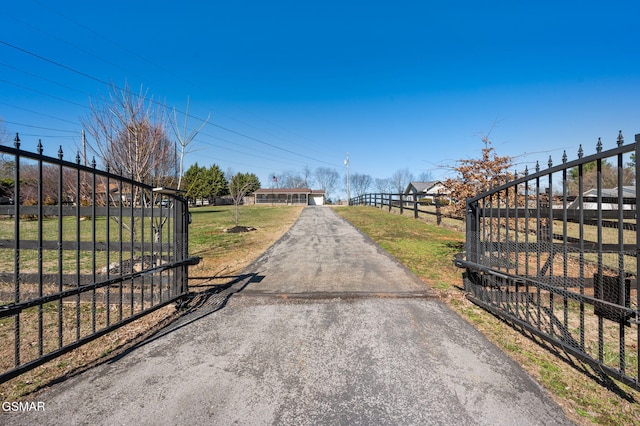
x: 290, y: 84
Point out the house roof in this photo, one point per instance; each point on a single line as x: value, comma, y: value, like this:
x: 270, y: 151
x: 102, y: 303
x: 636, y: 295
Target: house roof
x: 627, y: 192
x: 421, y: 187
x: 590, y: 199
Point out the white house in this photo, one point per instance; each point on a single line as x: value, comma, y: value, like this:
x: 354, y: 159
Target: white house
x: 306, y: 196
x: 421, y: 190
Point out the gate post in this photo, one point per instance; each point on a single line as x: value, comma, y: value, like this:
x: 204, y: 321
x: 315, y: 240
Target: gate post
x: 637, y: 152
x: 471, y: 231
x: 179, y: 238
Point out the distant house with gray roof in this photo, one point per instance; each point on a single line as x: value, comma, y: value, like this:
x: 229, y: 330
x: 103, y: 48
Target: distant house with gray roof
x: 609, y: 198
x: 421, y: 190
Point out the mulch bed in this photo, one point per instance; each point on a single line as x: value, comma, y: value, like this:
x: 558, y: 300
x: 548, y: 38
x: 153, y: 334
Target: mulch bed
x: 238, y: 229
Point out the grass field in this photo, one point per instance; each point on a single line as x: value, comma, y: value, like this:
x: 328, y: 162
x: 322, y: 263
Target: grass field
x: 425, y: 248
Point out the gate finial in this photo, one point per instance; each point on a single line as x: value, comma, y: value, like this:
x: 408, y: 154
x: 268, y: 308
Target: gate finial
x: 16, y: 141
x: 599, y: 146
x: 580, y: 151
x: 620, y: 138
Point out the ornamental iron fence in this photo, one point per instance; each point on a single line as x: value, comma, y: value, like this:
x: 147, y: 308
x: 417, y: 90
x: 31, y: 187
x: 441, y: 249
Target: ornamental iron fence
x: 556, y: 253
x: 86, y: 251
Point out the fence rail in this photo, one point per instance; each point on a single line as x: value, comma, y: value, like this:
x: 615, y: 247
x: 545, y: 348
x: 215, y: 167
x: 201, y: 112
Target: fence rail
x: 401, y: 202
x: 555, y: 252
x: 91, y: 251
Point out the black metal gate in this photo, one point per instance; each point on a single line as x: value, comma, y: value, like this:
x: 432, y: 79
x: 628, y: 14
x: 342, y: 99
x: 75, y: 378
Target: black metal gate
x: 556, y: 252
x: 84, y: 252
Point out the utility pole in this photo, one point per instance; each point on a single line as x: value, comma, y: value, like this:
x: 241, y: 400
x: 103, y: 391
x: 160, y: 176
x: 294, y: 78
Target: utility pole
x: 346, y: 163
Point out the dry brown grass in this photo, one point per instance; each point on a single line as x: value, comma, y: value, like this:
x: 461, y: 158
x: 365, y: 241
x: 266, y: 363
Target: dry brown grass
x: 93, y: 353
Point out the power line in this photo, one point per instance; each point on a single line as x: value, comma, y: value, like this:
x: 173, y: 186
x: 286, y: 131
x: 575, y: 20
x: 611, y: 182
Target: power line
x: 38, y: 127
x: 75, y: 46
x: 247, y: 153
x: 58, y: 64
x: 43, y: 93
x: 39, y: 135
x: 42, y: 78
x: 168, y: 71
x: 129, y: 51
x: 38, y: 113
x: 118, y: 45
x: 151, y: 100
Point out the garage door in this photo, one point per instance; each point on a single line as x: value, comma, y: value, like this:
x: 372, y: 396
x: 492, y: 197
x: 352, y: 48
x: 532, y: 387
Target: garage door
x: 316, y: 200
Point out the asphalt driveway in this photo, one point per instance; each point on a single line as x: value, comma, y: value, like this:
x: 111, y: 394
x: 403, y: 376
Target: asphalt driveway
x: 324, y: 328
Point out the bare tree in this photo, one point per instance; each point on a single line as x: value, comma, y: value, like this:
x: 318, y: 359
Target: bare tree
x: 6, y: 166
x: 400, y: 180
x: 307, y: 175
x: 383, y: 185
x: 327, y: 178
x: 4, y: 133
x: 425, y: 177
x: 360, y: 183
x: 241, y: 185
x: 129, y: 136
x: 184, y: 138
x: 290, y: 179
